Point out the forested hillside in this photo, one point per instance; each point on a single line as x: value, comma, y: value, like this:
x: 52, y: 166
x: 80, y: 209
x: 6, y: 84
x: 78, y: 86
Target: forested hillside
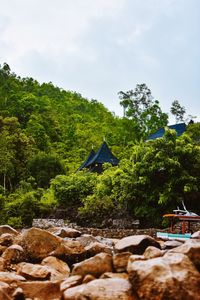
x: 47, y: 132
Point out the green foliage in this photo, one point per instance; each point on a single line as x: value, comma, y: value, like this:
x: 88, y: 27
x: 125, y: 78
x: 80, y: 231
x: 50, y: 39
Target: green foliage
x: 70, y: 190
x: 43, y: 167
x: 145, y: 113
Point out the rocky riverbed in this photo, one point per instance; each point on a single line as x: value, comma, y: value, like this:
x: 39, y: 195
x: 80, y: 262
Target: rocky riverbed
x: 63, y: 263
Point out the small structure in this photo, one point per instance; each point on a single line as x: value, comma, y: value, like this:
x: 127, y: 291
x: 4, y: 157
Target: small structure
x: 185, y: 217
x: 179, y: 128
x: 95, y: 161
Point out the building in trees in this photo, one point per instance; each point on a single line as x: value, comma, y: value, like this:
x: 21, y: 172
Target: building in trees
x: 179, y: 128
x: 95, y: 161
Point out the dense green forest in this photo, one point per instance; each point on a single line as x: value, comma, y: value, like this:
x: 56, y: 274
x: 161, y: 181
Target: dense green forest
x: 47, y: 132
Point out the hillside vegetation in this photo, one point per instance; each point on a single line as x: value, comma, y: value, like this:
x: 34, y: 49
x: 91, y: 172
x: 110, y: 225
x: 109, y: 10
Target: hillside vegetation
x: 47, y: 132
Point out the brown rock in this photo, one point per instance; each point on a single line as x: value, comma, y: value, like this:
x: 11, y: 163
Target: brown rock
x: 196, y: 235
x: 4, y: 291
x: 136, y: 244
x: 120, y: 261
x: 86, y: 239
x: 2, y: 264
x: 33, y: 271
x: 152, y: 252
x: 14, y: 254
x: 88, y: 278
x: 58, y: 268
x: 6, y: 239
x: 96, y: 247
x: 171, y: 244
x: 191, y: 248
x: 9, y: 277
x: 39, y: 243
x: 7, y: 229
x: 95, y: 265
x: 41, y: 290
x: 71, y: 282
x: 101, y: 289
x: 64, y: 232
x: 2, y: 249
x: 168, y: 277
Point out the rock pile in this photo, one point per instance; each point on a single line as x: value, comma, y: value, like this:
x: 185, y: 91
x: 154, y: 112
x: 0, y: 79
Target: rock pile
x: 64, y: 264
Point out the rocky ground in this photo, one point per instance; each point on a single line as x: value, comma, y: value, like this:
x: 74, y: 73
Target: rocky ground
x: 62, y: 263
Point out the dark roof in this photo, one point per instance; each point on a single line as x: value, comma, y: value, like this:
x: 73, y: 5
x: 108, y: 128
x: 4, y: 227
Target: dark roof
x: 179, y: 128
x: 85, y: 164
x: 103, y: 155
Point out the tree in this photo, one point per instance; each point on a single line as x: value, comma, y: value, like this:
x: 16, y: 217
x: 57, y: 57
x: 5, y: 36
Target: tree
x: 178, y: 111
x: 143, y: 110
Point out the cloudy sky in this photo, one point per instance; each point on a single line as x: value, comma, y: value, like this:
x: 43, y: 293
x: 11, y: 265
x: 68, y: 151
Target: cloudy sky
x: 99, y: 47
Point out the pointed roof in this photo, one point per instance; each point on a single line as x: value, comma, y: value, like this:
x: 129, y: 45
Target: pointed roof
x: 179, y: 128
x: 103, y: 155
x: 85, y: 164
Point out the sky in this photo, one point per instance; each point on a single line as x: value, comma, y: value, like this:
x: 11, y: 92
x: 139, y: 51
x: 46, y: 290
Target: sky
x: 100, y: 47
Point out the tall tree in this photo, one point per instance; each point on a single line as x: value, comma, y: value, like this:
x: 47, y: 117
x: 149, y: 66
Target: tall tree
x: 178, y: 111
x: 145, y: 112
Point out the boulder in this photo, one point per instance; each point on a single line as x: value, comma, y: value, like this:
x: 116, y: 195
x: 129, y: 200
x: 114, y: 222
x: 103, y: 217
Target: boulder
x: 86, y: 239
x: 172, y: 276
x: 196, y: 235
x: 152, y: 252
x: 191, y: 248
x: 6, y: 239
x: 7, y: 229
x: 14, y: 254
x: 71, y: 251
x: 66, y: 232
x: 33, y: 271
x: 136, y: 244
x: 9, y: 277
x: 171, y: 244
x: 2, y: 264
x: 101, y: 289
x: 41, y: 290
x: 70, y: 282
x: 39, y: 243
x: 88, y: 278
x: 96, y: 247
x: 95, y: 265
x: 120, y: 261
x: 4, y: 291
x: 58, y: 268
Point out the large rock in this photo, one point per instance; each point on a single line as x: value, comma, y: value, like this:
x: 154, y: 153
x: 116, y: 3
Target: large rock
x: 171, y: 244
x: 66, y: 232
x: 4, y: 291
x: 96, y: 247
x: 196, y: 235
x: 6, y: 239
x: 191, y: 248
x: 120, y: 261
x: 95, y: 265
x: 71, y: 282
x: 9, y: 277
x: 101, y: 289
x: 86, y: 239
x: 41, y: 290
x: 33, y: 271
x: 14, y: 254
x: 152, y: 252
x: 136, y: 244
x: 172, y: 276
x: 58, y: 268
x: 7, y: 229
x: 39, y: 243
